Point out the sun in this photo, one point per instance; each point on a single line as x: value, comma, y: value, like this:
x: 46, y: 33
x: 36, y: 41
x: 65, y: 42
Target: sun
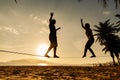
x: 41, y: 49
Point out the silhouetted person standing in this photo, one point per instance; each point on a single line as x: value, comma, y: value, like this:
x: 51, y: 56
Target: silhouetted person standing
x: 90, y: 37
x: 52, y: 36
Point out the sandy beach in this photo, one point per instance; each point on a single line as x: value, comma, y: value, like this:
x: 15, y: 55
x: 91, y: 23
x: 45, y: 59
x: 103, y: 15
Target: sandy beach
x: 59, y: 73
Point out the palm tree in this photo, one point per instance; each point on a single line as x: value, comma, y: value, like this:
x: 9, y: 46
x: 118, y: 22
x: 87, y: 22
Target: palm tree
x: 15, y: 1
x: 79, y: 0
x: 118, y: 16
x: 117, y: 2
x: 106, y: 35
x: 105, y: 3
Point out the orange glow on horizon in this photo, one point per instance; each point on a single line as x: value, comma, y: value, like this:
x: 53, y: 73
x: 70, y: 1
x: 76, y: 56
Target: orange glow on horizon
x: 41, y: 49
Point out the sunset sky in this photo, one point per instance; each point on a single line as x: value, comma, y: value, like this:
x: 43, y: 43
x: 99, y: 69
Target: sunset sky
x: 24, y: 28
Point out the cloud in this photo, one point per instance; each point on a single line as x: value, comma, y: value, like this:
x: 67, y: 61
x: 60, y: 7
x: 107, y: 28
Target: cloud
x: 14, y: 12
x: 10, y: 29
x: 45, y: 22
x: 106, y: 12
x: 42, y: 21
x: 44, y: 30
x: 79, y: 44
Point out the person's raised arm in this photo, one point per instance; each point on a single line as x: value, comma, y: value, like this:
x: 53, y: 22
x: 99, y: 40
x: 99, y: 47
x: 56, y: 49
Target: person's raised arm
x: 51, y: 16
x: 82, y: 23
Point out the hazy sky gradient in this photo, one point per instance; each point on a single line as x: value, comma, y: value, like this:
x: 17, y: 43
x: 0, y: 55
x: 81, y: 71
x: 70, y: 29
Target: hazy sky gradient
x: 24, y: 27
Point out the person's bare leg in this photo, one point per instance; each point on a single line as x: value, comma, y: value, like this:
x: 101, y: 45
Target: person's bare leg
x: 112, y: 55
x: 55, y: 56
x: 93, y: 55
x: 85, y: 51
x: 46, y: 55
x: 117, y: 56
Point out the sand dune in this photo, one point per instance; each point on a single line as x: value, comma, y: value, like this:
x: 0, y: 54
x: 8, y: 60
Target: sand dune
x: 59, y: 73
x: 25, y: 62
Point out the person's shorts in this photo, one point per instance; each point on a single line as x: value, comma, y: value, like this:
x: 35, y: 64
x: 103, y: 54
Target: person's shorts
x: 89, y: 42
x: 54, y: 44
x: 53, y: 40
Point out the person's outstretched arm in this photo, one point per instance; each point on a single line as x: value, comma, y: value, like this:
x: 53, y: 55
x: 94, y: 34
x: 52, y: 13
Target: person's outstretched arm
x: 58, y: 28
x: 51, y: 16
x: 82, y: 23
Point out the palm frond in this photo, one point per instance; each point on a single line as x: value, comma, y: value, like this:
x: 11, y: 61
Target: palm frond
x: 118, y: 16
x: 105, y: 33
x: 118, y: 22
x: 97, y: 30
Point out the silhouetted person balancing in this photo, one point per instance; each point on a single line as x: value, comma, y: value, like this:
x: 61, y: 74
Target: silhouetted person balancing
x: 52, y: 36
x: 90, y: 37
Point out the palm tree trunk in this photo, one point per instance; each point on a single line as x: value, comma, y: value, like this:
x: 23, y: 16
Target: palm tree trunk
x: 112, y: 55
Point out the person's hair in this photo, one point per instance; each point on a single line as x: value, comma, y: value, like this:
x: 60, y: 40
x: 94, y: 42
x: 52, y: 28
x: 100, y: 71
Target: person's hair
x: 87, y: 25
